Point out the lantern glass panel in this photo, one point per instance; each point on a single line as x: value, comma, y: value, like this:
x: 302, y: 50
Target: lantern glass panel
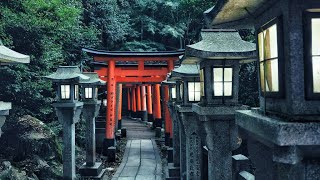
x: 194, y: 91
x: 268, y: 56
x: 222, y: 81
x: 173, y: 93
x: 88, y: 93
x: 181, y: 90
x: 76, y: 92
x: 316, y: 54
x: 65, y: 91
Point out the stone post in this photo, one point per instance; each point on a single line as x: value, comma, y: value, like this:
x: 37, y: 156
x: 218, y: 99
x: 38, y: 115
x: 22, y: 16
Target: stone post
x: 91, y: 168
x: 68, y: 115
x: 4, y: 111
x: 193, y: 153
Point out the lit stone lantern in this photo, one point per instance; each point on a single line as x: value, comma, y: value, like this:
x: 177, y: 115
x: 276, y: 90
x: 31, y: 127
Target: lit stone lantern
x: 283, y: 134
x: 186, y: 141
x: 219, y: 55
x: 174, y: 151
x: 68, y: 109
x: 91, y: 106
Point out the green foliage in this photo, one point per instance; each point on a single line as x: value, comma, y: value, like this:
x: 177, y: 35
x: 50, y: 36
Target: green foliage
x: 51, y: 32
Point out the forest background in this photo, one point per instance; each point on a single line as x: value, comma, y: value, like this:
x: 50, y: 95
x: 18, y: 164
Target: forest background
x: 53, y: 32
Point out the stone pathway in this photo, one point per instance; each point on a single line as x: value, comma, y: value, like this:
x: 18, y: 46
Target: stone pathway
x: 141, y: 160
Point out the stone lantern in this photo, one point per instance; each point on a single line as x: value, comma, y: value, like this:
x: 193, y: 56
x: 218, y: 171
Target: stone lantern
x: 91, y: 106
x: 283, y: 134
x: 68, y: 109
x: 167, y: 87
x: 9, y: 57
x: 4, y: 111
x: 186, y: 141
x: 219, y: 55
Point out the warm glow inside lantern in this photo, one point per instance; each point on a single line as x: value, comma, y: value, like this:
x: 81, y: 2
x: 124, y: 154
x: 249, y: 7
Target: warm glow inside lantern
x: 268, y: 57
x: 194, y: 91
x: 222, y: 81
x: 173, y: 93
x: 315, y: 23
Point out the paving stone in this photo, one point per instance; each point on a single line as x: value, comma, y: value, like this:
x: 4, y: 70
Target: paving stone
x: 148, y: 162
x: 146, y: 170
x: 141, y: 159
x: 126, y: 178
x: 129, y: 171
x: 146, y: 177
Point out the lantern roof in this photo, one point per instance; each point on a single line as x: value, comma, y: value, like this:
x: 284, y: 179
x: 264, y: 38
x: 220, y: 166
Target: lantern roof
x: 94, y: 79
x: 235, y: 13
x: 8, y: 56
x: 67, y: 72
x: 185, y: 70
x: 168, y: 82
x: 5, y: 106
x: 222, y: 44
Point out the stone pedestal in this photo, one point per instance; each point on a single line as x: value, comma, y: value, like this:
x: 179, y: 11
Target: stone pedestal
x: 150, y: 117
x: 221, y: 137
x: 91, y: 169
x: 279, y: 149
x: 193, y: 143
x: 4, y: 111
x: 144, y: 116
x: 182, y: 145
x: 68, y: 114
x: 175, y: 165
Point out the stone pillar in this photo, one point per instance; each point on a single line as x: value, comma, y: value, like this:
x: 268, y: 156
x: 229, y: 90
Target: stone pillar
x: 4, y: 111
x: 91, y: 168
x: 176, y: 137
x: 68, y: 116
x: 218, y: 123
x: 193, y: 144
x: 174, y: 167
x: 183, y: 153
x: 219, y: 149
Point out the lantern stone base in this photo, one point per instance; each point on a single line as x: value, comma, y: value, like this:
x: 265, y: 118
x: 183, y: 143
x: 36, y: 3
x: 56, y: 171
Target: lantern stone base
x: 220, y: 137
x: 279, y: 149
x: 173, y: 170
x: 119, y: 123
x: 109, y: 149
x: 92, y: 172
x: 4, y: 111
x: 170, y: 155
x: 150, y: 117
x: 158, y: 132
x: 124, y: 132
x: 144, y: 116
x: 167, y: 139
x: 157, y: 123
x: 134, y: 114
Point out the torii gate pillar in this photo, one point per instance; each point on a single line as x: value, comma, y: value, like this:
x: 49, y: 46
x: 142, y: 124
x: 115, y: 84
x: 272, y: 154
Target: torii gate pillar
x: 109, y: 141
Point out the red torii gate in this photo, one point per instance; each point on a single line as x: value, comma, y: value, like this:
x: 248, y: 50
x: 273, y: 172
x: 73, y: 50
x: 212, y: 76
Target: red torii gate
x: 132, y: 67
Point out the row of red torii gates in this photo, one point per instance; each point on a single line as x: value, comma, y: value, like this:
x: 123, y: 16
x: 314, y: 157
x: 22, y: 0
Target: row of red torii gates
x: 141, y: 73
